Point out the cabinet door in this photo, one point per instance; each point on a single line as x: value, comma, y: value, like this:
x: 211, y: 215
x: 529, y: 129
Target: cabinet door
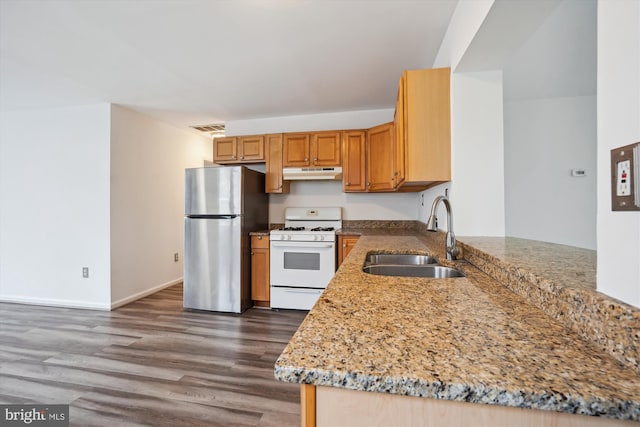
x: 296, y: 150
x: 251, y: 148
x: 345, y: 244
x: 380, y: 158
x: 260, y: 268
x: 326, y: 148
x: 353, y: 161
x: 399, y: 132
x: 427, y: 125
x: 273, y: 169
x: 225, y: 150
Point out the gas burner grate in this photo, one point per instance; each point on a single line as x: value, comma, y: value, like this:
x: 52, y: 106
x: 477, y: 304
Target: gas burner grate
x: 323, y: 229
x: 293, y: 229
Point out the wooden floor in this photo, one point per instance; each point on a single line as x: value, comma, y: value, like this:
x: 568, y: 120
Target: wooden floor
x: 149, y: 363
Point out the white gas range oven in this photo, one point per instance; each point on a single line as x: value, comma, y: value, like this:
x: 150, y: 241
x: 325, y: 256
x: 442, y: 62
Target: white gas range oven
x: 303, y: 256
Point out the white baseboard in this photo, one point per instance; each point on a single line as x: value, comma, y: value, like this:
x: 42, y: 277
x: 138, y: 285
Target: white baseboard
x: 143, y: 294
x: 55, y: 302
x: 85, y: 304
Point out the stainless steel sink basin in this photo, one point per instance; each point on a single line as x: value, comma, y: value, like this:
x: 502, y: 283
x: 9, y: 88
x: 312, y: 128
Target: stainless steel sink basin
x: 435, y: 271
x: 399, y: 259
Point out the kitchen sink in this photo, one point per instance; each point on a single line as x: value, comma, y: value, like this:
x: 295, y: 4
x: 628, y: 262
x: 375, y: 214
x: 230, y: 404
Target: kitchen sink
x: 407, y: 265
x: 434, y: 271
x: 399, y: 259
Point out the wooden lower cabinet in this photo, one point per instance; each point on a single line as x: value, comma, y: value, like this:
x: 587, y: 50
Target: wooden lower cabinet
x: 346, y: 242
x: 260, y: 271
x: 337, y: 407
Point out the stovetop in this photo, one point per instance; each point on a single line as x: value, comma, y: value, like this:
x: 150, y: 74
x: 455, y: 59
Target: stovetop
x: 306, y: 229
x: 309, y: 224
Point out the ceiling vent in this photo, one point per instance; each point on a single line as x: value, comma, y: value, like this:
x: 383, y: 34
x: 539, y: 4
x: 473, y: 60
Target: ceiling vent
x: 215, y: 129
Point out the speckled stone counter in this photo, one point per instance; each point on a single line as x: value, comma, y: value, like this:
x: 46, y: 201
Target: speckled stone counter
x: 259, y: 233
x: 561, y: 281
x: 465, y: 339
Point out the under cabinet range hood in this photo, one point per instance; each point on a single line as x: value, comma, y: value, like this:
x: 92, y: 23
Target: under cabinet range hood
x: 299, y: 174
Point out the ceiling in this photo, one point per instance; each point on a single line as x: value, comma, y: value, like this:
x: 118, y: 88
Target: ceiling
x: 193, y: 62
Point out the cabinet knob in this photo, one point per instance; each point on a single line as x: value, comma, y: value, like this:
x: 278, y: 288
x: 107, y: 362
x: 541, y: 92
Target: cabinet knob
x: 315, y: 159
x: 346, y: 183
x: 242, y: 157
x: 259, y: 237
x: 251, y: 253
x: 344, y: 245
x: 233, y: 157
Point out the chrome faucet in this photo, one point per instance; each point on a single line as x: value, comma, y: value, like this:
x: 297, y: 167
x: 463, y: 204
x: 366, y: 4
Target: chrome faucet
x: 450, y: 244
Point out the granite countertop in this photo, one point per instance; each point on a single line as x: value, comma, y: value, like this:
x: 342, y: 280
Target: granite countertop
x: 466, y: 339
x: 259, y: 233
x: 566, y: 266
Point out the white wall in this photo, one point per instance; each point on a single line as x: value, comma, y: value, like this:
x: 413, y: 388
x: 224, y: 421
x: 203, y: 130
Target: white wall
x: 544, y: 140
x: 477, y: 190
x: 148, y: 158
x: 550, y: 128
x: 618, y: 124
x: 362, y: 119
x: 54, y: 206
x: 356, y: 206
x: 389, y: 206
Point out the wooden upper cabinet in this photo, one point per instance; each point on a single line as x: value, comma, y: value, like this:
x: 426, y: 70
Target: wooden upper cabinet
x: 225, y: 149
x: 426, y: 127
x: 380, y: 158
x: 273, y: 170
x: 312, y: 149
x: 399, y: 131
x: 251, y: 148
x: 353, y: 161
x: 326, y: 148
x: 296, y: 149
x: 238, y: 149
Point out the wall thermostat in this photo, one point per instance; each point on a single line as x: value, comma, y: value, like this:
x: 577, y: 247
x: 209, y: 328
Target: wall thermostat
x: 625, y: 178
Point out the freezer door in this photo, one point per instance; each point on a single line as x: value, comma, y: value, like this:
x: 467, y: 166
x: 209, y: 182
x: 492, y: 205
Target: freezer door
x: 213, y: 191
x: 213, y: 279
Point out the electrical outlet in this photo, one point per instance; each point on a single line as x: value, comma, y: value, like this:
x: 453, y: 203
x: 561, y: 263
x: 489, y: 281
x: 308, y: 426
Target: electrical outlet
x: 176, y: 257
x: 85, y: 272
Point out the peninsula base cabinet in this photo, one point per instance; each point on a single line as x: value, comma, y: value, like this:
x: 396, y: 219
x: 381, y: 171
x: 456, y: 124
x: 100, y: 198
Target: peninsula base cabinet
x: 336, y: 407
x: 260, y: 292
x: 346, y: 242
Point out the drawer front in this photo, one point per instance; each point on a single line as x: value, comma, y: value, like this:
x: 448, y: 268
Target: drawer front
x: 260, y: 242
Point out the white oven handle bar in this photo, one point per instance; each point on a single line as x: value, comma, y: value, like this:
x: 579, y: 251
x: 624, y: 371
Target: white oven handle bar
x: 301, y: 245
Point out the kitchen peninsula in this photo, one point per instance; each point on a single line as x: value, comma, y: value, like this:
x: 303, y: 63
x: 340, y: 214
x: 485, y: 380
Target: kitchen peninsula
x: 379, y: 350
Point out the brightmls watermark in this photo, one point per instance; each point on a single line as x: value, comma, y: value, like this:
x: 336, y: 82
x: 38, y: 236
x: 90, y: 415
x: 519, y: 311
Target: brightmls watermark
x: 34, y: 415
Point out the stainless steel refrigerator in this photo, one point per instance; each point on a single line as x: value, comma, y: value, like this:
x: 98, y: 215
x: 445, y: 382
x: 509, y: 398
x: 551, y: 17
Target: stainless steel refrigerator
x: 222, y: 205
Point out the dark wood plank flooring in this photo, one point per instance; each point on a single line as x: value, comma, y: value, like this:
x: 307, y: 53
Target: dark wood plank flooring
x: 149, y: 363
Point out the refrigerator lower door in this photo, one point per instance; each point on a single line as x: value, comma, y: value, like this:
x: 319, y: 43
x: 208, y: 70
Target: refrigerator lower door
x: 212, y: 264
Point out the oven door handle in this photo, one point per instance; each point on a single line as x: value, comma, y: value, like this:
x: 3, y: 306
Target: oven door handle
x: 310, y: 245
